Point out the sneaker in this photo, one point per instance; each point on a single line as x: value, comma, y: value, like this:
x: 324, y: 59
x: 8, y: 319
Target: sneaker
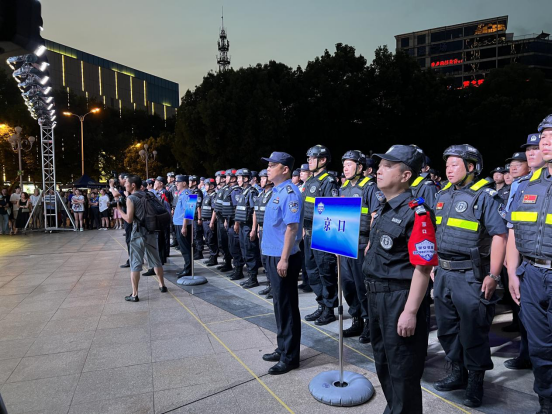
x: 100, y: 229
x: 81, y: 229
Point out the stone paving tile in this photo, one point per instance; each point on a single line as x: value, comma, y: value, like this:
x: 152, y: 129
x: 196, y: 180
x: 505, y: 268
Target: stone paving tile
x: 22, y: 317
x: 251, y: 338
x: 20, y: 330
x: 56, y: 327
x: 119, y: 355
x: 30, y: 305
x: 7, y: 366
x: 136, y: 404
x: 175, y: 330
x: 110, y: 337
x: 173, y: 398
x: 186, y: 372
x: 11, y: 301
x: 221, y: 403
x: 177, y: 348
x: 43, y: 395
x: 15, y: 349
x: 74, y: 312
x: 127, y: 319
x: 71, y: 302
x: 65, y: 342
x: 114, y: 383
x: 51, y: 365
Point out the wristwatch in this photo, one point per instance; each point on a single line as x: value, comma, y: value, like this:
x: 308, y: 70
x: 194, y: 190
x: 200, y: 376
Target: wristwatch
x: 495, y: 278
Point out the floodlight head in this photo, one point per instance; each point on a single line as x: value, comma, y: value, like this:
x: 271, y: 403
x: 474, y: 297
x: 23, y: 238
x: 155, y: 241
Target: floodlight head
x: 40, y: 50
x: 44, y: 80
x: 95, y: 110
x: 67, y: 113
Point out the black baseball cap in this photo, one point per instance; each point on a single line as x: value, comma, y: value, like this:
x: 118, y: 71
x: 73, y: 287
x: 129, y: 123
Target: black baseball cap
x: 181, y: 178
x: 281, y: 158
x: 296, y: 173
x: 406, y: 154
x: 304, y: 167
x: 518, y: 156
x: 532, y: 139
x: 160, y: 179
x: 500, y: 170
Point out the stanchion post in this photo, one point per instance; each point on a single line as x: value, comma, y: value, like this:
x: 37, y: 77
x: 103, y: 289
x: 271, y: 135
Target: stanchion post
x: 192, y: 249
x: 340, y: 313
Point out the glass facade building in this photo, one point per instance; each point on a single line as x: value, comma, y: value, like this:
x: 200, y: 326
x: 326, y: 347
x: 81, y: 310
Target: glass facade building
x: 116, y: 85
x: 468, y: 51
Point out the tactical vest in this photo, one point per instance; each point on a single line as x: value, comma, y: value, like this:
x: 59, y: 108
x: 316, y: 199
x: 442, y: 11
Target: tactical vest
x: 207, y: 206
x: 218, y: 200
x: 417, y: 186
x: 532, y: 218
x: 311, y: 191
x: 260, y: 205
x: 348, y: 190
x: 244, y: 211
x: 228, y: 208
x: 458, y: 229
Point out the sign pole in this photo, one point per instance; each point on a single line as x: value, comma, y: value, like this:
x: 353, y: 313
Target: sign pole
x: 192, y: 249
x: 340, y: 313
x: 189, y: 214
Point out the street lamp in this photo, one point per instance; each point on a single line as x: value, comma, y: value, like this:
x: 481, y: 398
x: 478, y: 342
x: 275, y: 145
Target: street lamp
x: 18, y: 143
x: 145, y: 155
x: 81, y: 119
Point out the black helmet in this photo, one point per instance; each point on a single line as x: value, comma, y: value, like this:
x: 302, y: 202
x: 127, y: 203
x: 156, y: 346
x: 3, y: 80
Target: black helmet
x: 192, y: 178
x: 467, y: 153
x: 546, y: 123
x: 231, y: 172
x: 320, y: 151
x: 356, y: 156
x: 244, y: 172
x: 263, y: 173
x: 209, y: 181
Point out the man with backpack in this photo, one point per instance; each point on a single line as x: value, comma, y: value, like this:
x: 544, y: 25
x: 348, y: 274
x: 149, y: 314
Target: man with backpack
x: 144, y: 218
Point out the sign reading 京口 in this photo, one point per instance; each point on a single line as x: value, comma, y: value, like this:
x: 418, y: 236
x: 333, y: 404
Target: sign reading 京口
x: 336, y: 225
x: 190, y: 207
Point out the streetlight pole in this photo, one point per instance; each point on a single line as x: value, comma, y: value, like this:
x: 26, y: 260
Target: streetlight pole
x: 144, y: 154
x: 17, y: 143
x: 81, y: 119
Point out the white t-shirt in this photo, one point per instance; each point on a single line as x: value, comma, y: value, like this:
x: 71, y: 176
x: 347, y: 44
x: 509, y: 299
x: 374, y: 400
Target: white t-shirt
x: 104, y: 200
x: 14, y: 198
x: 34, y: 200
x: 76, y: 206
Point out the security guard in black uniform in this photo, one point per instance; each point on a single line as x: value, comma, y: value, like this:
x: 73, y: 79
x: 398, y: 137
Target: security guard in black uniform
x: 198, y: 228
x: 218, y: 219
x: 471, y: 236
x: 500, y: 185
x: 229, y: 203
x: 249, y: 243
x: 258, y: 219
x: 423, y: 186
x: 354, y: 290
x: 321, y: 266
x: 206, y: 213
x: 531, y: 282
x: 397, y: 266
x: 304, y: 174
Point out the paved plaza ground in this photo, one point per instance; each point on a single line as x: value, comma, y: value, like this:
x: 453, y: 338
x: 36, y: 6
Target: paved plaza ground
x: 69, y: 343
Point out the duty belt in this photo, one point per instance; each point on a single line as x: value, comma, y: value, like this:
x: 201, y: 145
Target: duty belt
x: 308, y: 231
x: 455, y: 264
x: 547, y: 264
x: 386, y: 285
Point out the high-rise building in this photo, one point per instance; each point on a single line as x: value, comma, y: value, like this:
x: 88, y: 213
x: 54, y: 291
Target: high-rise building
x: 468, y: 51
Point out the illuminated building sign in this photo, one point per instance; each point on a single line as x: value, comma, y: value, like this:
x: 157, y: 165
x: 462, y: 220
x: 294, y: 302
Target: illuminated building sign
x: 446, y: 62
x: 467, y: 84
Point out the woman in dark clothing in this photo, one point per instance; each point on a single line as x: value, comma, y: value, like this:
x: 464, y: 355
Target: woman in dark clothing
x: 24, y: 208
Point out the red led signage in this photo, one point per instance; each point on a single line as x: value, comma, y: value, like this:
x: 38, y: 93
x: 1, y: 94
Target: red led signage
x: 446, y: 62
x: 467, y: 84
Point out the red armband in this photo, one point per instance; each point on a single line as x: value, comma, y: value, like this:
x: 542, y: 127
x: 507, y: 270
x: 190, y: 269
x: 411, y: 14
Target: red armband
x: 422, y: 246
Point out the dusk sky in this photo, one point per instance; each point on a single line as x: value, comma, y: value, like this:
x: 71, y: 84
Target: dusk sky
x: 177, y: 39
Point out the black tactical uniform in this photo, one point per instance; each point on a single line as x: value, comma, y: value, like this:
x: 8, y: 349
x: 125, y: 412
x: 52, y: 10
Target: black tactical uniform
x: 424, y: 187
x: 222, y: 234
x: 198, y: 230
x: 206, y: 214
x: 260, y: 208
x: 229, y: 203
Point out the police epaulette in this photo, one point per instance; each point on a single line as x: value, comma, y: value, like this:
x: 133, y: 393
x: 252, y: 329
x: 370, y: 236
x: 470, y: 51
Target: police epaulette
x: 289, y: 189
x: 491, y: 192
x: 421, y: 211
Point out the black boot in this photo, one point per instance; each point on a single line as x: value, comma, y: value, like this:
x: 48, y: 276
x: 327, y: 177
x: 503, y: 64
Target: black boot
x: 238, y: 274
x: 265, y: 290
x: 364, y: 337
x: 225, y: 267
x: 327, y: 317
x: 316, y: 314
x: 198, y: 255
x: 456, y: 380
x: 474, y: 392
x: 269, y: 294
x: 211, y: 262
x: 356, y: 328
x: 545, y: 405
x: 251, y: 282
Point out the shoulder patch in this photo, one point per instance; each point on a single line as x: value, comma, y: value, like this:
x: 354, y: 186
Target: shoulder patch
x: 420, y: 210
x: 331, y: 179
x: 289, y: 189
x: 491, y: 192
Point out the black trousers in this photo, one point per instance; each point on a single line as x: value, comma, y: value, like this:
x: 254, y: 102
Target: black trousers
x: 250, y: 250
x: 222, y: 235
x: 304, y: 274
x: 198, y: 237
x: 211, y: 238
x: 234, y: 246
x: 399, y: 361
x: 464, y: 318
x: 185, y: 244
x: 286, y: 307
x: 354, y: 289
x: 95, y: 213
x: 263, y: 257
x: 164, y: 244
x: 322, y: 272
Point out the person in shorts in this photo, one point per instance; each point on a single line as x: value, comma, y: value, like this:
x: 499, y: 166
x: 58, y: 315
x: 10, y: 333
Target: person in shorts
x: 77, y: 204
x: 141, y: 241
x: 104, y: 209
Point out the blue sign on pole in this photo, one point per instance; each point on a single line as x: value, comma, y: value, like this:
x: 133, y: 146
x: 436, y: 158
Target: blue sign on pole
x: 190, y: 207
x: 336, y: 225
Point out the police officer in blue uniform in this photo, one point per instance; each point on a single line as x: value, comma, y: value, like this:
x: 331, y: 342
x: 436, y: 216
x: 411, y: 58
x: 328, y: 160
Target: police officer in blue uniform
x: 471, y: 237
x: 249, y: 243
x: 206, y: 212
x: 282, y: 232
x: 183, y: 227
x: 352, y: 278
x: 321, y: 267
x: 198, y: 228
x: 218, y: 220
x: 531, y: 283
x: 261, y: 204
x: 229, y: 203
x: 519, y: 170
x: 397, y: 265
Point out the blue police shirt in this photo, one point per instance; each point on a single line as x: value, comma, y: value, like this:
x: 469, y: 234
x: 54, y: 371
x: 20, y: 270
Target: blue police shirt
x: 284, y: 208
x: 178, y: 217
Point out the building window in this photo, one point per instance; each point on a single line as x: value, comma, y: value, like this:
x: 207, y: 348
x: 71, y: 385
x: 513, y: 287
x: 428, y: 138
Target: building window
x: 405, y: 42
x: 438, y: 36
x: 422, y: 39
x: 422, y: 63
x: 421, y: 51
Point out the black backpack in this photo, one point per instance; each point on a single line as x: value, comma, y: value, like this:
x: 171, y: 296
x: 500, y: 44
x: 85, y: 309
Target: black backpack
x: 156, y: 217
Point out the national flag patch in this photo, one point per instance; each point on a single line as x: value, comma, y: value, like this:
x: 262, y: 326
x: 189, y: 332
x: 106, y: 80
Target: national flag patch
x: 529, y: 199
x: 439, y: 206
